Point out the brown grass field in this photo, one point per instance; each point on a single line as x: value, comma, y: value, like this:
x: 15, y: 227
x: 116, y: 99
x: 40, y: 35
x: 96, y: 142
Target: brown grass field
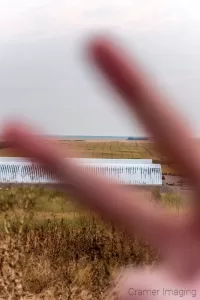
x: 52, y: 249
x: 113, y: 149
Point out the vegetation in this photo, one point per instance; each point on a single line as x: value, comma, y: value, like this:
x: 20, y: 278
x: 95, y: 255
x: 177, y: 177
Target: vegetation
x: 50, y: 249
x: 115, y: 149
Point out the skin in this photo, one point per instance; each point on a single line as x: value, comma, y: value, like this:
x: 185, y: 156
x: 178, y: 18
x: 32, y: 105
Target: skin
x: 177, y: 238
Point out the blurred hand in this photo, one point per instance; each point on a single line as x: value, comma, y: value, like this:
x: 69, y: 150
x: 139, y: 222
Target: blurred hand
x: 177, y: 239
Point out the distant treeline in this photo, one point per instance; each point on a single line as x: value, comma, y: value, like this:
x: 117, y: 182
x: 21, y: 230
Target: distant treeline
x: 131, y: 138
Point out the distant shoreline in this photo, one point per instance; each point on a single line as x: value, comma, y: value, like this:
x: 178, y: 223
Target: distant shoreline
x: 98, y: 138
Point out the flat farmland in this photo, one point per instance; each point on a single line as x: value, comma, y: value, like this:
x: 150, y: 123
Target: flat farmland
x: 112, y: 149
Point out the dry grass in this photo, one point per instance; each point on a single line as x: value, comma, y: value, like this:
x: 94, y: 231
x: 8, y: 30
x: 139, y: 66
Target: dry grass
x: 114, y: 149
x: 50, y: 249
x: 45, y: 254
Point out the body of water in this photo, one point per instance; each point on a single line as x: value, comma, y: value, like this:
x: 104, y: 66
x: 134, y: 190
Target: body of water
x: 95, y: 137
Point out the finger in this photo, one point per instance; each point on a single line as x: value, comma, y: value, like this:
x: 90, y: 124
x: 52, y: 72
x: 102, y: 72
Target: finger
x: 115, y: 203
x: 159, y: 119
x: 4, y: 145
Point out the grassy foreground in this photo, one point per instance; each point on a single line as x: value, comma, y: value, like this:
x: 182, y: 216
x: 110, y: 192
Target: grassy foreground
x: 51, y: 249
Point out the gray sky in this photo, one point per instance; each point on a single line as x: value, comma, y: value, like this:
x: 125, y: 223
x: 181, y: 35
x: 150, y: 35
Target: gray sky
x: 44, y: 75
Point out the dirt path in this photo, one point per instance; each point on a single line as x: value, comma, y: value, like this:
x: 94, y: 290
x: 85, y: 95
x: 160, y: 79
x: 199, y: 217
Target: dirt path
x: 175, y: 184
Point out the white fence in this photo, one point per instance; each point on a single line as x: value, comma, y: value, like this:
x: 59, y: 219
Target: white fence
x: 18, y: 170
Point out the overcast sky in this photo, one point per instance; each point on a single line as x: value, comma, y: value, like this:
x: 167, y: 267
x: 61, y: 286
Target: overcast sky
x: 44, y: 75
